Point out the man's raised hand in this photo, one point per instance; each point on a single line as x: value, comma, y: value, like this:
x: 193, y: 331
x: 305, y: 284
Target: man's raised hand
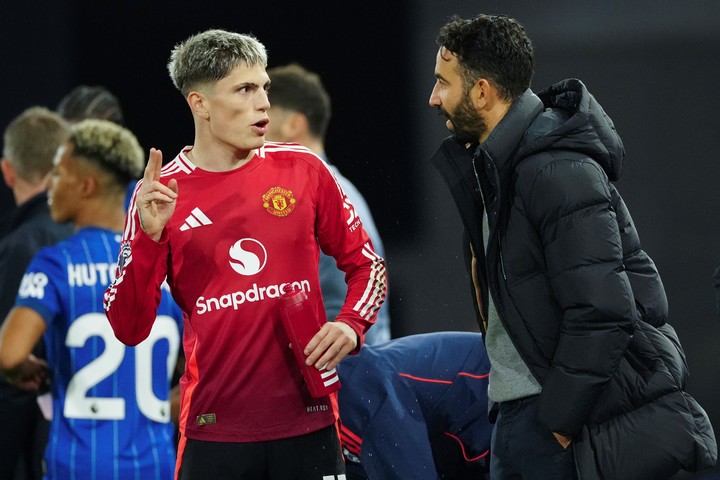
x: 155, y: 202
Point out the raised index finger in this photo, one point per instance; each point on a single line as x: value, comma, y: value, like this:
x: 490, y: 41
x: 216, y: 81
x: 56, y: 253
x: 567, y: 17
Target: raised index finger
x: 152, y: 170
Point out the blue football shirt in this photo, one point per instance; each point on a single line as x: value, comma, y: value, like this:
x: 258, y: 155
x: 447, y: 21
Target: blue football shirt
x: 111, y: 410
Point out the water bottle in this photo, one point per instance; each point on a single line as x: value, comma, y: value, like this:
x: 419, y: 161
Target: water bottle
x: 301, y: 324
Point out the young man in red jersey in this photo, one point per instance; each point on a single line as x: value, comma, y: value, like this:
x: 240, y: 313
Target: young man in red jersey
x: 233, y: 222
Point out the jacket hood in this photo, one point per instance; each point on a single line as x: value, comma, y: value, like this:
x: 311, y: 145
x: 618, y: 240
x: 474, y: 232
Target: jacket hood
x: 574, y: 120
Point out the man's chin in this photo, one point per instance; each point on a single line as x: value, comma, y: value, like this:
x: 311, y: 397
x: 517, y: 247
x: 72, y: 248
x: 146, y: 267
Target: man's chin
x: 254, y: 143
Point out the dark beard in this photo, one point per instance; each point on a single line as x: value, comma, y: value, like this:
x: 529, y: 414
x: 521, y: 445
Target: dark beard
x: 468, y: 125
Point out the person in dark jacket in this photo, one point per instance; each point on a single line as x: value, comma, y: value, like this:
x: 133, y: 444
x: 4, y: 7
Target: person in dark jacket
x: 30, y: 143
x: 587, y: 378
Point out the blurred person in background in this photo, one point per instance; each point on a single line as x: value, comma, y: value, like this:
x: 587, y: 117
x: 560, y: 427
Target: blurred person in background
x: 90, y: 101
x: 110, y: 406
x: 29, y: 145
x: 300, y: 112
x: 98, y: 102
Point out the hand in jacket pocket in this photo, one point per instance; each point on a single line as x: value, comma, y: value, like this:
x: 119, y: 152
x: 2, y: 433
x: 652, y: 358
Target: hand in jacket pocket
x: 562, y: 439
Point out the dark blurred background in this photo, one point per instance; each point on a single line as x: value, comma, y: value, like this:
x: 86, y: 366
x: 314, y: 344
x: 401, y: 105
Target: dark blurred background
x: 652, y: 65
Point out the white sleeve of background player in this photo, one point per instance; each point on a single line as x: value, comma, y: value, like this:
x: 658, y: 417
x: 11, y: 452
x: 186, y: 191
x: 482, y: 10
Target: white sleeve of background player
x: 341, y: 234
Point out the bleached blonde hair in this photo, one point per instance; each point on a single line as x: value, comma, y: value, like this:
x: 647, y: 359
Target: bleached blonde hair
x: 112, y: 147
x: 209, y: 56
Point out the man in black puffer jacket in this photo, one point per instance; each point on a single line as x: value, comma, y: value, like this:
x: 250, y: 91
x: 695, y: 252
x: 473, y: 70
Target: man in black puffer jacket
x: 587, y: 377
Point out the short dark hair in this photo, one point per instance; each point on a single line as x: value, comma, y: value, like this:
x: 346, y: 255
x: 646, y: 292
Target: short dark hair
x: 295, y: 88
x: 31, y: 141
x: 495, y: 47
x: 85, y: 101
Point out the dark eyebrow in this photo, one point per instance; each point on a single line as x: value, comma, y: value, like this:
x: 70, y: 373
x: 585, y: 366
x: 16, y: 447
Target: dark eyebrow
x: 253, y: 85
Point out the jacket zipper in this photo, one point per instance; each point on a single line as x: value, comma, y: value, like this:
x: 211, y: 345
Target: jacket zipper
x: 482, y: 196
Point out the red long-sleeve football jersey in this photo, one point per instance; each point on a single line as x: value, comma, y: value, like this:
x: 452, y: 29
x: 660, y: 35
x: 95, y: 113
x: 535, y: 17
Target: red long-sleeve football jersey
x: 236, y: 241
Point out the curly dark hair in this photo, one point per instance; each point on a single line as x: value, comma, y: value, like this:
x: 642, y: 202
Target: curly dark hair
x: 495, y: 47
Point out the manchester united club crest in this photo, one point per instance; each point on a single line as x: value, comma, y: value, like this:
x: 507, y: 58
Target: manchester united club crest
x: 279, y: 201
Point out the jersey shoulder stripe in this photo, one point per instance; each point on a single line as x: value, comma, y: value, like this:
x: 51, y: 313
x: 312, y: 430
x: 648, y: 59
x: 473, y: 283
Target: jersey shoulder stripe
x: 180, y: 164
x: 300, y: 152
x: 293, y: 150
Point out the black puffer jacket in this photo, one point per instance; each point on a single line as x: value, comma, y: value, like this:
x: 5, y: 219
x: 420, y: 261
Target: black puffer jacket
x: 566, y: 271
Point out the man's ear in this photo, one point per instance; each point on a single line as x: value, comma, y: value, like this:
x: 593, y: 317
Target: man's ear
x: 296, y: 126
x: 8, y: 172
x: 484, y: 95
x: 89, y: 186
x: 197, y: 102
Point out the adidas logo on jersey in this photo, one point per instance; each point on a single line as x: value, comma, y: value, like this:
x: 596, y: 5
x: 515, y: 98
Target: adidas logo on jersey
x: 196, y: 219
